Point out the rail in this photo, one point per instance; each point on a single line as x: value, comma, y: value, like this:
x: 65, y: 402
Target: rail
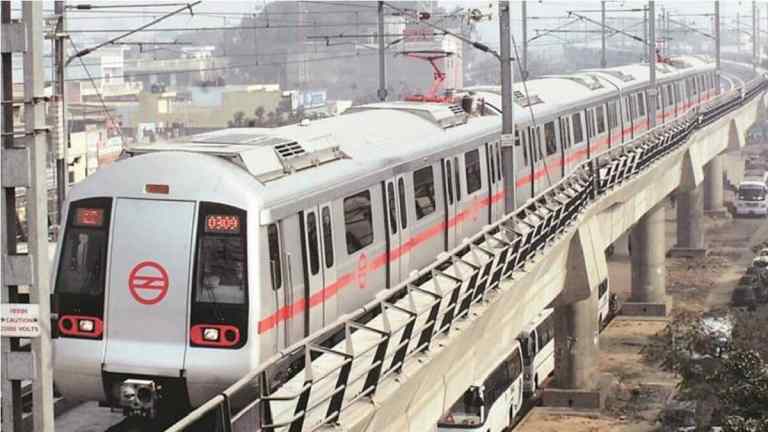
x: 346, y: 362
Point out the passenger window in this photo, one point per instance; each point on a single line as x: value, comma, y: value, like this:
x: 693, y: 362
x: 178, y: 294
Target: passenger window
x: 327, y: 237
x: 578, y: 132
x: 641, y: 103
x: 515, y: 364
x: 600, y: 119
x: 458, y: 178
x: 526, y: 140
x: 221, y: 265
x: 358, y: 221
x: 550, y: 144
x: 275, y: 266
x: 472, y: 170
x: 314, y: 257
x: 491, y: 161
x: 392, y: 208
x: 497, y: 383
x: 403, y: 208
x: 424, y: 192
x: 613, y: 118
x: 499, y: 164
x: 449, y: 181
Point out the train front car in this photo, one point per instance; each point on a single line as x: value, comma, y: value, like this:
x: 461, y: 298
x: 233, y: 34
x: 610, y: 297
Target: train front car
x: 152, y: 283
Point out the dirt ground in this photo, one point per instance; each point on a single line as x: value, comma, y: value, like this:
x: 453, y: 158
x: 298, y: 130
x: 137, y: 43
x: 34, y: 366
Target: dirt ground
x: 694, y: 285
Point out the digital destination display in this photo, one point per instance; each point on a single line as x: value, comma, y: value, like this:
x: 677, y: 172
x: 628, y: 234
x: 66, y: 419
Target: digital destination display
x: 89, y: 217
x: 222, y: 224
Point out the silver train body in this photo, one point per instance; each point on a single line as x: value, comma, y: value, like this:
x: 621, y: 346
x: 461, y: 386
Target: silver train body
x: 184, y: 265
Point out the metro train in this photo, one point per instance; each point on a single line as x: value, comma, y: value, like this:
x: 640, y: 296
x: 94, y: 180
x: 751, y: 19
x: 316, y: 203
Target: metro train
x: 186, y: 264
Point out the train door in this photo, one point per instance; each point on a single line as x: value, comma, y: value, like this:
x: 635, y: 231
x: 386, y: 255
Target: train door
x: 539, y: 173
x: 552, y: 158
x: 451, y: 202
x: 313, y: 267
x: 614, y: 126
x: 330, y: 276
x: 397, y: 226
x: 148, y: 285
x: 285, y: 253
x: 476, y: 209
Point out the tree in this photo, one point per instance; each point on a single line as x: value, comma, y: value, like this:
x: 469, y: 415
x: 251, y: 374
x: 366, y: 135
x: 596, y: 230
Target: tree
x: 238, y: 119
x: 259, y: 113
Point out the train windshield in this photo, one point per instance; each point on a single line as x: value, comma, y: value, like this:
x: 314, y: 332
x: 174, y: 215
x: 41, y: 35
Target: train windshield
x: 221, y: 259
x: 751, y: 193
x: 84, y: 250
x: 467, y: 411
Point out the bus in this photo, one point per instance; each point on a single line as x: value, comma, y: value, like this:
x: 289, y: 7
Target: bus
x: 538, y: 342
x: 751, y: 198
x: 493, y: 404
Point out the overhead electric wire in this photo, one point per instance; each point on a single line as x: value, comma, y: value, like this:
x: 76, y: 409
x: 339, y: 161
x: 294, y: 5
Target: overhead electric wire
x: 98, y: 93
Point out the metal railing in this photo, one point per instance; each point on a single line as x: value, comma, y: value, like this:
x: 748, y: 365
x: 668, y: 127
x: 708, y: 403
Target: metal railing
x: 347, y: 362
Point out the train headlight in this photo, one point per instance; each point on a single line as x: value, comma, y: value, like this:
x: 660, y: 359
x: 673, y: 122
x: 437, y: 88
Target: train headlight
x: 86, y: 325
x: 211, y: 334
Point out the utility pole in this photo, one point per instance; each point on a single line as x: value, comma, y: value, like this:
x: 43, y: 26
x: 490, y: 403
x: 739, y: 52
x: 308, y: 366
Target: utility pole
x: 645, y: 30
x: 11, y: 386
x: 717, y: 43
x: 524, y: 56
x: 61, y: 130
x: 603, y: 59
x: 738, y: 32
x: 382, y: 93
x: 652, y: 91
x: 507, y: 123
x: 37, y: 215
x: 668, y: 31
x: 754, y: 35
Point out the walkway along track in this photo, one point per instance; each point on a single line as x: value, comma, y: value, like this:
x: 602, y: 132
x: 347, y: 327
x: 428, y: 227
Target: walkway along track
x: 370, y: 348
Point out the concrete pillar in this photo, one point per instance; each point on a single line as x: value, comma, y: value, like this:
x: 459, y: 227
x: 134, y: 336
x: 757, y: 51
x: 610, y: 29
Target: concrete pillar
x: 621, y: 246
x: 576, y: 344
x: 713, y: 187
x: 690, y: 232
x: 648, y: 293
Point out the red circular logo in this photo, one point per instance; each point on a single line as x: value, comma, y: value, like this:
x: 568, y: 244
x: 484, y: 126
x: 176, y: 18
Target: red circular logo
x: 362, y: 271
x: 148, y: 282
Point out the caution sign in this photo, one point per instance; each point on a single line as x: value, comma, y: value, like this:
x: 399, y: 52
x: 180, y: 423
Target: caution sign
x: 20, y: 320
x: 148, y: 282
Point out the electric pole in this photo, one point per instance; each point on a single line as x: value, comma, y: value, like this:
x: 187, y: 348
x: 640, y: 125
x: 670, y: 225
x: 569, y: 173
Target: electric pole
x: 738, y: 32
x: 11, y: 385
x: 652, y: 91
x: 717, y: 44
x: 37, y: 214
x: 60, y: 128
x: 603, y: 59
x: 645, y: 30
x: 754, y: 35
x: 524, y: 55
x: 382, y: 93
x: 507, y: 124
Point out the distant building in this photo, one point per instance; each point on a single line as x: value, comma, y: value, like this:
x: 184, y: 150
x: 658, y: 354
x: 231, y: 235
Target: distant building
x: 205, y: 108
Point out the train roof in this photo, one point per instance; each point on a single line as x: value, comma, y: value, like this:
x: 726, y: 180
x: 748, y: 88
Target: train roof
x: 302, y: 165
x: 550, y: 95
